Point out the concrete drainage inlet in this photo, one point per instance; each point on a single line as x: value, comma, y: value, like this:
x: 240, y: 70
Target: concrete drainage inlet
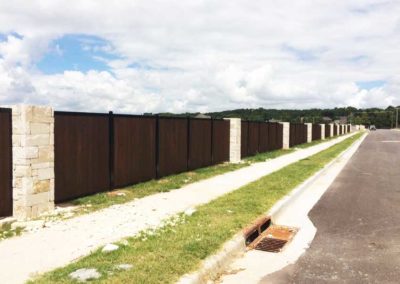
x: 264, y: 236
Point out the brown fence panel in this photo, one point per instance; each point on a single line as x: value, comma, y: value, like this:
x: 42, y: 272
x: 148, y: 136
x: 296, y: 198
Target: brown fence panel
x: 263, y: 137
x: 335, y: 131
x: 316, y: 132
x: 5, y: 163
x: 327, y: 130
x: 244, y: 139
x: 272, y: 136
x: 253, y: 139
x: 134, y: 149
x: 199, y: 143
x: 82, y: 161
x: 298, y: 134
x: 348, y: 128
x: 279, y: 136
x: 221, y: 141
x: 173, y: 148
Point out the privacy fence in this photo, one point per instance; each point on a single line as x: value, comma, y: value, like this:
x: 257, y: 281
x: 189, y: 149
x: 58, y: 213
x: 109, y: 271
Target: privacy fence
x: 50, y: 157
x: 298, y: 134
x: 5, y: 163
x: 328, y: 130
x: 100, y: 152
x: 316, y: 132
x: 258, y: 137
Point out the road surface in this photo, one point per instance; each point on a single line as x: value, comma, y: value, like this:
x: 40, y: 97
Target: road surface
x: 358, y: 221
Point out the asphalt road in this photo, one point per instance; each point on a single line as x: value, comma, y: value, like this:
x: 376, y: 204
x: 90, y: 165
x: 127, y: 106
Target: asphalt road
x: 357, y: 220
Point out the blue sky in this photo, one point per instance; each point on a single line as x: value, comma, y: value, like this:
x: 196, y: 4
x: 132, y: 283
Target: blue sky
x: 368, y: 85
x: 76, y: 52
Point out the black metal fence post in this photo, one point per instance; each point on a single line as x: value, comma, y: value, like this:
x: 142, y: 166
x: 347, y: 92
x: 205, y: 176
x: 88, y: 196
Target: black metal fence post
x: 188, y: 143
x: 212, y: 141
x: 111, y: 147
x: 157, y: 144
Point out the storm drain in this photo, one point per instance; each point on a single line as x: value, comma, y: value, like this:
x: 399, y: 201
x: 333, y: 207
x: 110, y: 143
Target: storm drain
x: 270, y: 244
x: 273, y: 239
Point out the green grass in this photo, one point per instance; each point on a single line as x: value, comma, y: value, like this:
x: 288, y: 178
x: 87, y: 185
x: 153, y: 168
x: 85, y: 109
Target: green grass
x: 313, y: 143
x: 105, y: 199
x: 7, y: 232
x: 164, y: 255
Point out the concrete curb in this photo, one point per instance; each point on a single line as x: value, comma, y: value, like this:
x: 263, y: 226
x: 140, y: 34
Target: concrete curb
x: 215, y: 264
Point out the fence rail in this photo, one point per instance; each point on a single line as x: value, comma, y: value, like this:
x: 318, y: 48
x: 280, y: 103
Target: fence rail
x: 258, y: 137
x: 5, y: 163
x: 99, y: 152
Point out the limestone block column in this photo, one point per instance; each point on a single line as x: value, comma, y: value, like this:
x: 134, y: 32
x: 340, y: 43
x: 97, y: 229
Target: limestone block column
x: 309, y: 132
x: 322, y: 131
x: 33, y: 160
x: 331, y: 128
x: 337, y: 128
x: 235, y: 140
x: 286, y: 134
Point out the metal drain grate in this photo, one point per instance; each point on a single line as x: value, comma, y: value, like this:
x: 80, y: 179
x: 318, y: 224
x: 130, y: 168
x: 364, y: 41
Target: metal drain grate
x: 270, y: 244
x: 273, y: 239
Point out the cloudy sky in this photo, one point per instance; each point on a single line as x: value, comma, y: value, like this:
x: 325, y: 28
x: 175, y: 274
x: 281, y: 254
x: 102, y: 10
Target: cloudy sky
x: 139, y: 56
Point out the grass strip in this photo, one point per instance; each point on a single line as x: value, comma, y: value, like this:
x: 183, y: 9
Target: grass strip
x: 6, y: 231
x: 102, y: 200
x: 165, y: 254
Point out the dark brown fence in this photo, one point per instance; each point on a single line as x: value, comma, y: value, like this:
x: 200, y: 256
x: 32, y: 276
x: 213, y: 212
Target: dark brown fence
x: 220, y: 141
x: 327, y: 130
x: 335, y: 130
x: 298, y: 134
x: 348, y: 128
x: 173, y: 146
x: 82, y: 156
x: 316, y: 132
x: 200, y: 135
x: 99, y: 152
x: 5, y: 163
x: 258, y: 137
x: 134, y: 149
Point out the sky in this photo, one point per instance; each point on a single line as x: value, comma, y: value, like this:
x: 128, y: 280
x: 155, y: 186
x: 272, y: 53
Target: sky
x: 135, y: 56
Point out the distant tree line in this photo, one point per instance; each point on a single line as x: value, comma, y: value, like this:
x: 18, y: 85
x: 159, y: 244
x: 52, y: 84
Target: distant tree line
x: 381, y: 118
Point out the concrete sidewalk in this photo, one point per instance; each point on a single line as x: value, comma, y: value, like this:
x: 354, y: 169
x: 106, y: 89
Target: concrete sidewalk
x: 63, y: 242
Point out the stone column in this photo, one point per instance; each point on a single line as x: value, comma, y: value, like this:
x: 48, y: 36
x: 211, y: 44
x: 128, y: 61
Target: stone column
x: 331, y: 128
x: 309, y: 132
x: 33, y: 160
x: 286, y: 134
x: 235, y: 140
x: 322, y: 131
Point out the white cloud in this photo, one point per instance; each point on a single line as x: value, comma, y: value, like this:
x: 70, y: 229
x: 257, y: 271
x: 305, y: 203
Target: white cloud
x: 205, y: 55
